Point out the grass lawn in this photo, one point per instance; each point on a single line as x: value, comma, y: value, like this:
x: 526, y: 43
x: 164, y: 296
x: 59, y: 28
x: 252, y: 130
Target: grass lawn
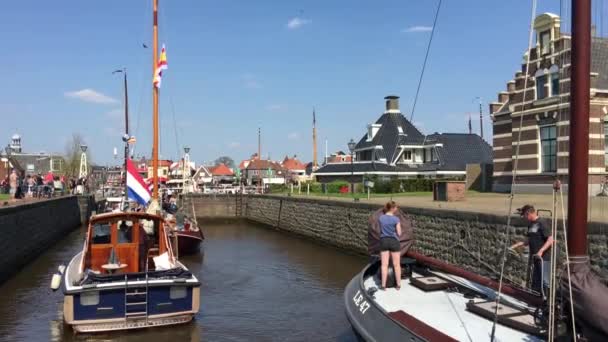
x: 359, y: 195
x: 4, y: 197
x: 428, y: 194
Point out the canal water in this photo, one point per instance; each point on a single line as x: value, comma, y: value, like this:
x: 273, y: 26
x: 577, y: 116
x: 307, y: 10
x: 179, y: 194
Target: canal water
x: 257, y: 285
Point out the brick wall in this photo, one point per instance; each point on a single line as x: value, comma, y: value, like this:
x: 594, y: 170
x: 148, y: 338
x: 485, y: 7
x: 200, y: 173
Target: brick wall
x: 29, y: 229
x: 470, y: 240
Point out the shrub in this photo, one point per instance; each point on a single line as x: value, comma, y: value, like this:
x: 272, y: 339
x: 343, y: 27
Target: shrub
x: 334, y: 187
x: 277, y: 188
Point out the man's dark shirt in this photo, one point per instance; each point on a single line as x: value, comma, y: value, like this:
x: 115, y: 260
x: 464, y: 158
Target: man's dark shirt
x: 537, y: 236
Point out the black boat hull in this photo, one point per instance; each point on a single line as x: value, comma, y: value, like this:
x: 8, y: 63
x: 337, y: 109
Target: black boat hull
x: 188, y: 242
x: 370, y: 322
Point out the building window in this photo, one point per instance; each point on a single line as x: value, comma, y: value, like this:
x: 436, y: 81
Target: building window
x: 56, y: 164
x: 606, y: 142
x: 407, y: 155
x: 541, y: 82
x: 545, y: 42
x: 555, y: 84
x: 548, y: 141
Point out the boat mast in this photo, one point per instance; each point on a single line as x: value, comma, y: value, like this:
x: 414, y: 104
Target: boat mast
x: 578, y: 162
x: 155, y: 101
x: 127, y: 136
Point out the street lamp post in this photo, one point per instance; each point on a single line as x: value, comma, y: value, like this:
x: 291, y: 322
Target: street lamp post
x: 186, y: 171
x: 83, y: 162
x: 351, y: 147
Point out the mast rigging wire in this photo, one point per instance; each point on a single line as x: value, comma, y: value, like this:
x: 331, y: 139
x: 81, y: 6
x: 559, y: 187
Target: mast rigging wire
x: 514, y: 173
x: 393, y: 117
x: 428, y: 49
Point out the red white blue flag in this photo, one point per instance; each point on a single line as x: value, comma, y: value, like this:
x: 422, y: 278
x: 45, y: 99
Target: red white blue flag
x: 137, y: 189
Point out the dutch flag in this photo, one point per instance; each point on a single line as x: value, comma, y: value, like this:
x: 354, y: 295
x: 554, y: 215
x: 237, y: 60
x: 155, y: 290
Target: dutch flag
x: 138, y: 191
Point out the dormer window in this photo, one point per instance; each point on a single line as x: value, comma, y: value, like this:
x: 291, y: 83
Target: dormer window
x: 372, y: 130
x: 545, y: 42
x: 407, y: 155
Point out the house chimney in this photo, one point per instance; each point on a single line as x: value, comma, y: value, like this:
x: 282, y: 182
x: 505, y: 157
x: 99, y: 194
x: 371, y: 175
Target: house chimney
x: 392, y: 104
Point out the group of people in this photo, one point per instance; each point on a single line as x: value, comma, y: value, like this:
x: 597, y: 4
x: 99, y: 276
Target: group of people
x: 38, y: 185
x: 538, y: 239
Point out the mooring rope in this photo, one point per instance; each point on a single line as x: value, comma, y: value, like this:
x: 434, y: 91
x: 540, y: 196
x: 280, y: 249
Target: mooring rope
x: 561, y: 195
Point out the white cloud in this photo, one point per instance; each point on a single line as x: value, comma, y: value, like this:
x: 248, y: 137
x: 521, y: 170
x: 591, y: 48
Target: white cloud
x: 90, y: 95
x: 293, y: 136
x: 234, y: 144
x: 297, y: 22
x: 250, y: 82
x: 414, y: 29
x: 276, y: 107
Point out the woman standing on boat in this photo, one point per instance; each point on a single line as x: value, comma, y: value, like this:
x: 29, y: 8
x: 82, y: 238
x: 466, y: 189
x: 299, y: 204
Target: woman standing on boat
x: 390, y: 230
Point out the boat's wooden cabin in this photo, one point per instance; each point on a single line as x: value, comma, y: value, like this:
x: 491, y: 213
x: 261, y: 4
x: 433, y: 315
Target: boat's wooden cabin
x: 134, y: 238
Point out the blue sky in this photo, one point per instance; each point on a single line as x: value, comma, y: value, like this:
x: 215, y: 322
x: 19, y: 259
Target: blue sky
x: 235, y: 65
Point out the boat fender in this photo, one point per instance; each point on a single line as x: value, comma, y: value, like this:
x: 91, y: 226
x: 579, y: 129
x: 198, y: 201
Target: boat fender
x: 61, y: 269
x: 56, y: 281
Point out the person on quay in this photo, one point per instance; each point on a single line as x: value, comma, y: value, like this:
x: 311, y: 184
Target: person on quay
x: 13, y: 182
x: 539, y: 241
x: 390, y: 230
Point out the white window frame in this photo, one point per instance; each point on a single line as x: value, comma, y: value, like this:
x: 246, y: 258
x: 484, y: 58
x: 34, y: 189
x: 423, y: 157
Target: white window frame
x: 89, y: 298
x: 178, y: 292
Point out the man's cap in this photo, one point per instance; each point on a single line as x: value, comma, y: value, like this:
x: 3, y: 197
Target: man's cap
x: 525, y: 209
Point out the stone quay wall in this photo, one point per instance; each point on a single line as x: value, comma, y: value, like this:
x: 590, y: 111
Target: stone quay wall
x: 31, y: 228
x: 470, y: 240
x: 214, y: 207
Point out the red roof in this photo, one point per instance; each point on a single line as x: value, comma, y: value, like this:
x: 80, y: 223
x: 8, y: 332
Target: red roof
x: 293, y: 164
x: 221, y: 170
x: 258, y: 164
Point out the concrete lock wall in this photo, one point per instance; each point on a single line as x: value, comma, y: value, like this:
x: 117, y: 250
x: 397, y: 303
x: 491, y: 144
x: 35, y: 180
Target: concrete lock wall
x: 215, y: 206
x: 30, y: 229
x: 470, y: 240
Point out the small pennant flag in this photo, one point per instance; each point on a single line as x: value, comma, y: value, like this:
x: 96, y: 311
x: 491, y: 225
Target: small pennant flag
x: 162, y: 65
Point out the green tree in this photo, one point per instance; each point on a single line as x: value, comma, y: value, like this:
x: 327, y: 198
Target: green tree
x: 226, y: 161
x: 71, y: 166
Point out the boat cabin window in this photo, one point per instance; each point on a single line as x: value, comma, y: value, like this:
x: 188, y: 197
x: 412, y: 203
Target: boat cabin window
x: 178, y: 292
x: 101, y: 234
x: 125, y: 231
x: 89, y: 298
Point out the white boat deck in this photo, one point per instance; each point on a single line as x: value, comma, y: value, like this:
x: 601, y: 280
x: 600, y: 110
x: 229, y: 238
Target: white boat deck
x: 444, y: 311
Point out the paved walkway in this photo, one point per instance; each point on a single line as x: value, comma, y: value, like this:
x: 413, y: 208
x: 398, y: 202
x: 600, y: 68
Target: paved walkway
x: 491, y: 203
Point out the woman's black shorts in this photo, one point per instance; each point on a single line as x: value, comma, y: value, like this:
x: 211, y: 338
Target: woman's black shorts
x: 389, y: 244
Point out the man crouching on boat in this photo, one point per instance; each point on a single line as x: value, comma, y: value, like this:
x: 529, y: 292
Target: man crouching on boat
x: 540, y: 241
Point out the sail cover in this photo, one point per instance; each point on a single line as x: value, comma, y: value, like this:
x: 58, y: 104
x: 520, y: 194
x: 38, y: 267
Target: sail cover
x: 373, y: 232
x: 590, y: 297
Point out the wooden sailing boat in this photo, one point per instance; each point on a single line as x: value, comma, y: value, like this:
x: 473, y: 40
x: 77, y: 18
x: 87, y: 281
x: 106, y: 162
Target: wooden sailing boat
x: 127, y: 276
x: 443, y: 302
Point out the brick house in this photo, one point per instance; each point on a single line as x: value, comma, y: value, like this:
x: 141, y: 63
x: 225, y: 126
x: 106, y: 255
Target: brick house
x: 295, y: 169
x: 262, y: 172
x: 545, y: 111
x: 393, y: 147
x: 338, y: 157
